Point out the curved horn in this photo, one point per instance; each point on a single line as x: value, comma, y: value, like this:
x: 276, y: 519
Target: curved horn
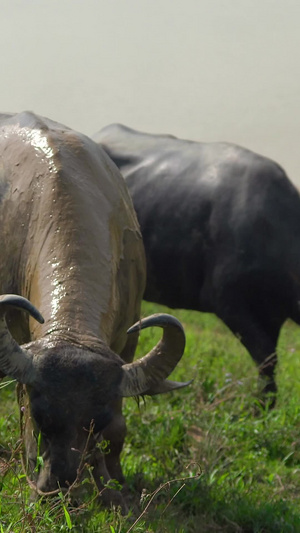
x: 14, y: 361
x: 145, y: 376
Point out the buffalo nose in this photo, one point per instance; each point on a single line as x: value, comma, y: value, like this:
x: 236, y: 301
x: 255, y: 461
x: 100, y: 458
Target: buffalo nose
x: 47, y: 483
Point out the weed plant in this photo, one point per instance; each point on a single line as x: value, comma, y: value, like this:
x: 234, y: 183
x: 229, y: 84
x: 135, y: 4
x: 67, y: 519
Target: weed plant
x: 206, y: 458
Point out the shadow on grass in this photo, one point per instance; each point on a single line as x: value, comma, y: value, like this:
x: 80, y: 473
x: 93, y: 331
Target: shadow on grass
x: 193, y: 506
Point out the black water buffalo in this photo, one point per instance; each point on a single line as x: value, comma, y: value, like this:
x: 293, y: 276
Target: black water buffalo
x: 83, y: 267
x: 221, y: 229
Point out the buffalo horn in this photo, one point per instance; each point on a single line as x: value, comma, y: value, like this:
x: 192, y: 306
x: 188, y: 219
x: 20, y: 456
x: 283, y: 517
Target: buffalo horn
x: 147, y: 375
x: 15, y: 361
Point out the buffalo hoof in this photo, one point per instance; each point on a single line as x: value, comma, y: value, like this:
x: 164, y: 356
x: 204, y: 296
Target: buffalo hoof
x: 267, y: 393
x: 113, y: 498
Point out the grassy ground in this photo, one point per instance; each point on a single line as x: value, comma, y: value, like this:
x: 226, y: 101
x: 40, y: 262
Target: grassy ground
x: 203, y: 459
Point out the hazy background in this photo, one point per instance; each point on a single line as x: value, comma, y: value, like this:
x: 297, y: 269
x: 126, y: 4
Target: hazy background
x: 199, y: 69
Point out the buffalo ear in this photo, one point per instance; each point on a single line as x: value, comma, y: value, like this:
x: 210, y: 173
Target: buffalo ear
x: 166, y: 386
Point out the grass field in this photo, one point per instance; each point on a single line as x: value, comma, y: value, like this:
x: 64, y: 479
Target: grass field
x: 206, y: 458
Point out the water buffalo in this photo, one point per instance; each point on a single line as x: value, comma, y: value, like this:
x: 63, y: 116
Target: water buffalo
x: 221, y: 229
x: 70, y: 243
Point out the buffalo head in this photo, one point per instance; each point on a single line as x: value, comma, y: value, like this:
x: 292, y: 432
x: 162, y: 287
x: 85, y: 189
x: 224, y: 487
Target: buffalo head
x: 67, y: 392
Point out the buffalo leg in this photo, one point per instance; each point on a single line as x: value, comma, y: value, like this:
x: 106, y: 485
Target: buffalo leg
x: 115, y: 433
x: 108, y: 496
x: 260, y: 339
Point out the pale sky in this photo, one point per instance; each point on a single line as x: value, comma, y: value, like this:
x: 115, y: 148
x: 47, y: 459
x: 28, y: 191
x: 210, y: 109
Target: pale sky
x: 199, y: 69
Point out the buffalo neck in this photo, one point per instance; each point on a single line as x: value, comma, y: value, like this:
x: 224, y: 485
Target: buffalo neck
x: 67, y: 221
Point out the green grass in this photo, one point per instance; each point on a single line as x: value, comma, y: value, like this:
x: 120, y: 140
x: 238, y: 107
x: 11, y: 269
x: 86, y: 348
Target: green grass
x: 206, y: 458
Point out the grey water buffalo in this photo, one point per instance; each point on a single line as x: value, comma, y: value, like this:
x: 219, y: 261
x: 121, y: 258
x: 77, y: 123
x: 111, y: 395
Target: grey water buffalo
x: 221, y: 230
x: 71, y: 246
